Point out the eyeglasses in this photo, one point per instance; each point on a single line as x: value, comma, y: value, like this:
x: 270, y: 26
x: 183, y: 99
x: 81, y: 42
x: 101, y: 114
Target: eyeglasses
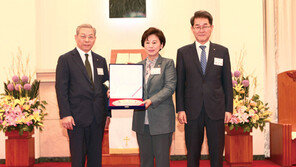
x: 201, y: 28
x: 89, y: 37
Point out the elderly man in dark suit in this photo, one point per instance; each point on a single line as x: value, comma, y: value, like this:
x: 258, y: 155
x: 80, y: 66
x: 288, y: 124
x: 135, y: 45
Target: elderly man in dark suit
x: 82, y: 98
x: 204, y: 91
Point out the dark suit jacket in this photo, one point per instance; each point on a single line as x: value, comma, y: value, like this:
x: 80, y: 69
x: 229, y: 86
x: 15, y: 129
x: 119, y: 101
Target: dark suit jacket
x: 77, y: 96
x: 159, y: 89
x: 214, y: 89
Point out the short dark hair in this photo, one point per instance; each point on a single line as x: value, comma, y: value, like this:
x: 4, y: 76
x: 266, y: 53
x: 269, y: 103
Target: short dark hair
x: 155, y: 31
x: 201, y: 14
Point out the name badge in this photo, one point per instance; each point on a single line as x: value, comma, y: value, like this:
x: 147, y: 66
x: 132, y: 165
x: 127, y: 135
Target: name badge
x: 155, y: 71
x: 218, y: 61
x: 100, y: 71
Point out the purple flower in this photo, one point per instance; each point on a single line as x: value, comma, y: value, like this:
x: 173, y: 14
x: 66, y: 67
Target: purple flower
x: 234, y: 83
x: 27, y: 87
x: 10, y: 87
x: 18, y: 87
x: 245, y: 83
x: 25, y: 79
x: 15, y: 78
x: 236, y: 73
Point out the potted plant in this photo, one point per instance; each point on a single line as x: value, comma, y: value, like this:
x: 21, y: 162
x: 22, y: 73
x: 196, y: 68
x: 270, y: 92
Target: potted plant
x: 21, y: 111
x: 248, y: 113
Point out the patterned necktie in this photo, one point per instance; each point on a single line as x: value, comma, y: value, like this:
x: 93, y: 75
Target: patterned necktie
x: 88, y: 68
x: 148, y: 71
x: 147, y: 74
x: 203, y: 59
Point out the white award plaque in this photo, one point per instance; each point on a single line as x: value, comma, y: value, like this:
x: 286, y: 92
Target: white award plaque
x: 126, y: 86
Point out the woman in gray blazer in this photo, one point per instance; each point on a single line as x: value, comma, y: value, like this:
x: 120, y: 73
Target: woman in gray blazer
x: 155, y: 125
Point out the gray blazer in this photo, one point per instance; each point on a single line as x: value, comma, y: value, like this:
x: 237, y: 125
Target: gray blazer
x: 159, y: 89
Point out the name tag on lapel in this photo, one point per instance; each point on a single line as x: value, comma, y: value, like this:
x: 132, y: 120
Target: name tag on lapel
x: 100, y: 71
x: 218, y: 61
x: 155, y: 71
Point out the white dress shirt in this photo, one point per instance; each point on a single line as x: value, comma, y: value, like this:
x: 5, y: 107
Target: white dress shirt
x: 90, y: 59
x: 198, y: 49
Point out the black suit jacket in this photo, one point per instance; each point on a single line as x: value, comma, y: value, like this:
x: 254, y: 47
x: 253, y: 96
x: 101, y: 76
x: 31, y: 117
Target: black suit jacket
x: 214, y: 89
x: 77, y: 96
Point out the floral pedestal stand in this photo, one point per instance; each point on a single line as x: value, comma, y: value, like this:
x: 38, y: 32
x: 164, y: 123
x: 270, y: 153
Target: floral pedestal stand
x: 238, y: 147
x: 19, y: 149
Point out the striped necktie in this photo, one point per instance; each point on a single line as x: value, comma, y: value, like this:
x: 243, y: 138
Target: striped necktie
x: 203, y: 59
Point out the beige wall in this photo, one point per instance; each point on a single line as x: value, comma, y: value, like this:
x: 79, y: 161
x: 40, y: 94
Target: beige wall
x: 57, y: 21
x: 45, y: 29
x: 242, y: 28
x: 18, y: 26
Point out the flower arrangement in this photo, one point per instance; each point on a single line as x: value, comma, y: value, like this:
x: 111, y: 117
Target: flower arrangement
x: 247, y: 112
x: 20, y: 107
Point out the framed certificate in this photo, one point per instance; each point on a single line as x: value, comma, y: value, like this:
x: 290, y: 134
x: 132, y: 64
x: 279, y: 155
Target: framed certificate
x: 126, y: 86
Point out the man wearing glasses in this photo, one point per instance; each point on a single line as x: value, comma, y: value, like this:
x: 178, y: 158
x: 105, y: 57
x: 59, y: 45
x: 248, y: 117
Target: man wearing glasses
x: 82, y: 98
x: 204, y: 91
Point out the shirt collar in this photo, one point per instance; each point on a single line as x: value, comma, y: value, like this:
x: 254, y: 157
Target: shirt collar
x: 82, y: 53
x: 152, y: 61
x: 207, y: 44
